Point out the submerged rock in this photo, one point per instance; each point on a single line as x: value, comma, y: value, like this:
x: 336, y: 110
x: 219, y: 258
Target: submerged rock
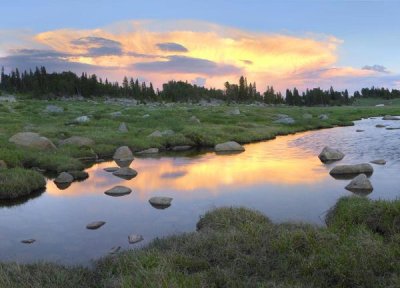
x: 125, y: 173
x: 379, y: 161
x: 160, y: 202
x: 360, y: 184
x: 352, y: 170
x: 359, y: 130
x: 118, y: 191
x: 135, y: 238
x: 230, y: 146
x: 380, y: 126
x: 32, y: 140
x: 28, y: 241
x: 329, y: 154
x: 64, y: 178
x: 95, y: 225
x: 111, y: 169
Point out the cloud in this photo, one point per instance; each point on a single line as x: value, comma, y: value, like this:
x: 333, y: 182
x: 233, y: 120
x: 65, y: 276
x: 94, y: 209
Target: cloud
x: 98, y: 46
x: 183, y: 64
x: 171, y: 47
x: 248, y: 62
x: 377, y: 68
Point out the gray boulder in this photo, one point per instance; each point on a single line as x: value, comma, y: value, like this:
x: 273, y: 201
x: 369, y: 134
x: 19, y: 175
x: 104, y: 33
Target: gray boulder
x: 32, y: 140
x: 82, y: 119
x: 78, y: 175
x: 363, y: 168
x: 111, y: 169
x: 380, y: 126
x: 125, y: 173
x: 95, y: 225
x: 77, y: 141
x: 329, y: 154
x: 145, y: 116
x: 123, y: 153
x: 284, y: 119
x: 230, y: 146
x: 360, y: 184
x: 118, y: 191
x: 135, y: 238
x: 160, y: 202
x: 116, y: 114
x: 64, y: 178
x: 156, y: 133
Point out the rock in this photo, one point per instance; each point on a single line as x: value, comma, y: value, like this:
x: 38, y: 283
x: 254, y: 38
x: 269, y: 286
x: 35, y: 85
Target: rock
x: 145, y: 116
x: 95, y: 225
x: 28, y: 241
x: 351, y: 170
x: 155, y: 134
x: 181, y: 148
x: 122, y: 128
x: 307, y: 116
x: 64, y: 178
x: 230, y: 146
x: 380, y: 126
x: 149, y: 151
x: 111, y: 169
x: 32, y: 140
x: 123, y: 153
x: 116, y: 114
x: 53, y: 109
x: 77, y: 141
x: 160, y: 202
x: 359, y: 130
x: 82, y: 119
x: 79, y: 175
x: 195, y: 120
x: 392, y: 128
x: 167, y: 133
x: 114, y: 249
x: 118, y: 191
x: 379, y: 162
x: 135, y: 238
x: 8, y: 98
x: 379, y: 105
x: 287, y: 120
x: 125, y: 173
x: 234, y: 111
x: 323, y: 117
x: 3, y: 164
x: 360, y: 184
x: 389, y: 117
x: 329, y: 154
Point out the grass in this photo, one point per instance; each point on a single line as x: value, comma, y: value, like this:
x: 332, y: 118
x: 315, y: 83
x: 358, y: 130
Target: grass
x: 237, y: 247
x: 18, y: 182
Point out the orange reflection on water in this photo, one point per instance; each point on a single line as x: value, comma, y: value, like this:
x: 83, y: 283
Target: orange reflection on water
x: 271, y: 162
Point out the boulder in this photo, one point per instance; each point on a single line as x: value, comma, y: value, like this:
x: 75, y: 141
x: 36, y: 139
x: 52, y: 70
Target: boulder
x: 116, y: 114
x: 390, y: 117
x: 53, y: 109
x: 379, y: 161
x: 64, y: 178
x: 82, y: 119
x: 3, y: 164
x: 156, y: 133
x: 323, y: 117
x: 123, y: 128
x: 95, y: 225
x: 123, y: 153
x: 135, y: 238
x: 380, y: 126
x: 194, y: 120
x: 288, y: 120
x: 359, y: 130
x: 118, y: 191
x: 149, y: 151
x: 160, y: 202
x: 329, y: 154
x: 360, y: 184
x: 230, y: 146
x: 77, y: 141
x: 125, y: 173
x: 351, y: 170
x: 32, y: 140
x: 234, y: 111
x: 79, y: 175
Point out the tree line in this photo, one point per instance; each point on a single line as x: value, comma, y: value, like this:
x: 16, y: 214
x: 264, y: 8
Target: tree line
x: 41, y: 84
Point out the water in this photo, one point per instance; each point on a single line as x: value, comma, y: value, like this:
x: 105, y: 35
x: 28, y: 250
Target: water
x: 283, y: 178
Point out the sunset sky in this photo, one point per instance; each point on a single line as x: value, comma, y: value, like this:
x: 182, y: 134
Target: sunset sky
x: 346, y: 44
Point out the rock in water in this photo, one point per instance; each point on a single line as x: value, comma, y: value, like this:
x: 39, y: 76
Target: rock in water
x: 118, y: 191
x: 329, y: 154
x: 111, y: 169
x: 125, y: 173
x: 359, y: 130
x: 28, y: 241
x: 351, y: 170
x: 135, y: 238
x: 360, y: 184
x: 390, y: 117
x: 160, y: 202
x: 123, y: 153
x: 230, y: 146
x: 64, y: 178
x: 32, y: 140
x: 95, y: 225
x: 380, y: 126
x: 379, y: 161
x: 79, y: 175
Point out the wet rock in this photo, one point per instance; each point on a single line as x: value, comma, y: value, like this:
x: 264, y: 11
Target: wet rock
x: 28, y: 241
x: 118, y: 191
x: 135, y: 238
x: 380, y: 126
x: 32, y: 140
x: 79, y: 175
x: 111, y: 169
x: 123, y: 128
x: 393, y: 128
x: 95, y: 225
x: 359, y: 130
x: 82, y: 119
x: 329, y: 154
x: 149, y: 151
x: 114, y: 249
x: 181, y: 148
x: 360, y: 184
x: 125, y: 173
x: 390, y: 117
x: 3, y: 164
x: 77, y: 141
x: 230, y: 146
x: 379, y: 162
x: 194, y: 120
x: 64, y: 178
x: 160, y: 202
x: 234, y: 111
x: 53, y: 109
x: 323, y: 117
x: 349, y: 171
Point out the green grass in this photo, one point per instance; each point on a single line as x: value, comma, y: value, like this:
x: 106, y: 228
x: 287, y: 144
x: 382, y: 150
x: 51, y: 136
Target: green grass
x: 237, y: 247
x: 18, y: 182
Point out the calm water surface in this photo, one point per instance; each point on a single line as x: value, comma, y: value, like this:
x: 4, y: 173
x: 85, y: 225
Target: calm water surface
x: 283, y: 178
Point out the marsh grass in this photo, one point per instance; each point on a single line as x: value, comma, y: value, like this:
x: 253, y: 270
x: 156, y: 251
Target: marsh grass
x: 18, y: 182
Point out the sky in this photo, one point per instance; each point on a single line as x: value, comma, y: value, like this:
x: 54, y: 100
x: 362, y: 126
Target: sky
x: 303, y: 44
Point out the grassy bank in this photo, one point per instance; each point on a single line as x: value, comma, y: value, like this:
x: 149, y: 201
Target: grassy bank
x: 18, y: 182
x: 236, y: 247
x: 216, y: 125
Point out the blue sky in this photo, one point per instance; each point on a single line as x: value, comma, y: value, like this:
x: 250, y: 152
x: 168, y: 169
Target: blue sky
x: 368, y: 31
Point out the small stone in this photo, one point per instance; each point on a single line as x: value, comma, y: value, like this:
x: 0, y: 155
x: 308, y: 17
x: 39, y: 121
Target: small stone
x: 156, y: 134
x: 379, y: 162
x: 64, y: 178
x: 79, y: 175
x: 135, y: 238
x: 194, y: 120
x: 123, y: 153
x: 234, y: 111
x: 359, y: 130
x: 307, y: 116
x: 122, y: 128
x: 230, y: 146
x: 363, y: 168
x: 116, y: 114
x: 118, y: 191
x: 145, y: 116
x: 77, y: 141
x: 95, y: 225
x: 82, y: 119
x: 53, y: 109
x: 28, y: 241
x: 160, y: 202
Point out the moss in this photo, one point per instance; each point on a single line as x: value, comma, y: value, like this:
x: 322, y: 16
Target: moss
x: 17, y: 182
